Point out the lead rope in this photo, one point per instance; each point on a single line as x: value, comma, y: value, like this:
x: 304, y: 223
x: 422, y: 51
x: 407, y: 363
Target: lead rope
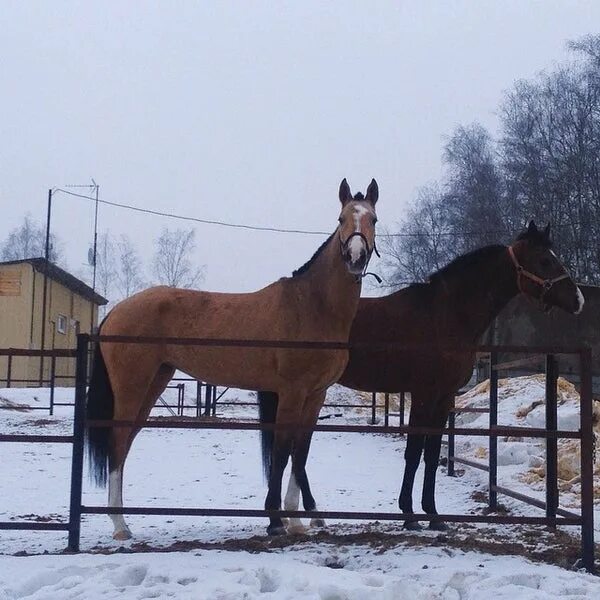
x: 379, y: 280
x: 365, y: 272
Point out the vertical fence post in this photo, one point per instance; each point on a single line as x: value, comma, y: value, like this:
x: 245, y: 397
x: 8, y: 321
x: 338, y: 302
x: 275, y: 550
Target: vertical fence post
x: 587, y: 462
x: 207, y: 400
x: 493, y: 443
x: 9, y: 370
x: 52, y: 379
x: 386, y: 418
x: 198, y: 398
x: 180, y: 398
x: 451, y: 425
x: 78, y: 442
x: 214, y: 400
x: 402, y: 407
x: 551, y: 443
x: 373, y: 407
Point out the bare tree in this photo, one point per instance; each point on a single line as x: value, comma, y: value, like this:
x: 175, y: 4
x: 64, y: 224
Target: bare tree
x: 128, y: 278
x: 473, y: 189
x: 421, y: 244
x: 545, y: 166
x: 106, y: 268
x: 28, y: 240
x: 550, y: 146
x: 172, y: 264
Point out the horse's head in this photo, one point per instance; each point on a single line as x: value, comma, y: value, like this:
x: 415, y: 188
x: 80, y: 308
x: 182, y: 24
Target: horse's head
x: 357, y: 226
x: 540, y: 275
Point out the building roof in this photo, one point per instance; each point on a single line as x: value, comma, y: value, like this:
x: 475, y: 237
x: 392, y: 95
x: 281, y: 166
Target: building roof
x: 54, y: 272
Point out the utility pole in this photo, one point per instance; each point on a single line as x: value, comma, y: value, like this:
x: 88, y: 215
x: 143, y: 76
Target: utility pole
x: 95, y: 252
x: 52, y: 191
x: 45, y: 288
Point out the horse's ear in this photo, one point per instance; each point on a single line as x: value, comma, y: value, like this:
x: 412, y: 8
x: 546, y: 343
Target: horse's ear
x: 546, y: 232
x: 532, y: 227
x: 345, y: 193
x: 372, y: 192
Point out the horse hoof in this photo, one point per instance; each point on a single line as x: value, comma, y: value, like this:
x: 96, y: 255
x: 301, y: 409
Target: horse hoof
x: 318, y: 523
x: 275, y: 530
x: 122, y: 535
x: 412, y: 526
x: 438, y: 526
x: 296, y: 528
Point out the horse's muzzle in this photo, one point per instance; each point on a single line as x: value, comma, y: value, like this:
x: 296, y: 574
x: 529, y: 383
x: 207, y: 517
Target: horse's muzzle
x: 355, y: 253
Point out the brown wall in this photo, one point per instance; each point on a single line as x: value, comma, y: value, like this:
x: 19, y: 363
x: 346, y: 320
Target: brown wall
x: 19, y: 330
x: 522, y: 323
x: 16, y: 283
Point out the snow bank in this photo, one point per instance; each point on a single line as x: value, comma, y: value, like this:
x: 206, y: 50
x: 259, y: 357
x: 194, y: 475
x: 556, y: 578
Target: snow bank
x: 354, y: 573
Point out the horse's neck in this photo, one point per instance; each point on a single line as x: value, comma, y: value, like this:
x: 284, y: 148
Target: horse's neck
x: 329, y: 279
x: 479, y: 293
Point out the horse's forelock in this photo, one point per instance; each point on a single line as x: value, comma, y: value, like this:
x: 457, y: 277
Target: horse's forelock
x: 537, y: 237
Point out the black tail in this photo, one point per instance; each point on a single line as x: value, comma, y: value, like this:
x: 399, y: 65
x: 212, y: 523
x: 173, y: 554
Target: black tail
x: 100, y: 405
x: 267, y: 410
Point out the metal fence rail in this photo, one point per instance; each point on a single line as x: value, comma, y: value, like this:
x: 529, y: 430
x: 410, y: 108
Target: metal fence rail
x: 35, y: 439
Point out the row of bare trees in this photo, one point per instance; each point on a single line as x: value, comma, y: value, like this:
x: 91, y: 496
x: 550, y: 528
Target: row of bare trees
x: 120, y: 270
x: 119, y: 266
x: 545, y: 164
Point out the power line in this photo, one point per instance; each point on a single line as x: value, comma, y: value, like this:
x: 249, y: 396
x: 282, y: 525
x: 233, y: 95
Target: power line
x: 196, y: 219
x: 261, y: 228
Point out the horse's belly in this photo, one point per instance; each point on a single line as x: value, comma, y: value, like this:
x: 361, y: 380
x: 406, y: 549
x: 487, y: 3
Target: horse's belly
x: 260, y: 368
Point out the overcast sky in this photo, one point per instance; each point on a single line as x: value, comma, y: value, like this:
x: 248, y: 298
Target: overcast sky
x: 250, y: 112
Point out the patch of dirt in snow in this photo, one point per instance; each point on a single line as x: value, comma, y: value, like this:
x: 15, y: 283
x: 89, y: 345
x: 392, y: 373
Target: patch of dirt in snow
x: 540, y: 544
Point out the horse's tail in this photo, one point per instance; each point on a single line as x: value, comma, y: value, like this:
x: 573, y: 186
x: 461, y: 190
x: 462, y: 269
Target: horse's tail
x: 267, y: 410
x: 100, y: 406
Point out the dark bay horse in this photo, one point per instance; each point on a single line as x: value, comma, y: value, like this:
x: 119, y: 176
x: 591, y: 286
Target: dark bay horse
x: 454, y: 308
x: 317, y: 303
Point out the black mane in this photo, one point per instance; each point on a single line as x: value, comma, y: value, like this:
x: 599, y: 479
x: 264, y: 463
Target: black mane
x: 470, y: 259
x: 306, y: 266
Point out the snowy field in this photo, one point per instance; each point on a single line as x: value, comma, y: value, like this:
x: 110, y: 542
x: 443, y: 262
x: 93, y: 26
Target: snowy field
x: 191, y: 557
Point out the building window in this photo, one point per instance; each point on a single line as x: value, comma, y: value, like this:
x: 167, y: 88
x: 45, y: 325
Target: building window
x: 61, y: 324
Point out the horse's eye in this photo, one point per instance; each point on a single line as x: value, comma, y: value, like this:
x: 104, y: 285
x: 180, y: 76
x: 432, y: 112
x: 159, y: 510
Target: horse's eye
x: 340, y: 220
x: 374, y: 220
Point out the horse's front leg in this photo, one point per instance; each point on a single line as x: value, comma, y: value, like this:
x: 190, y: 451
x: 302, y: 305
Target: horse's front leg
x: 298, y: 482
x: 288, y: 414
x: 310, y: 417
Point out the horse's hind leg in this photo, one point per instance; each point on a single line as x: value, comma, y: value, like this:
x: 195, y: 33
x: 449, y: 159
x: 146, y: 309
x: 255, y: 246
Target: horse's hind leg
x: 412, y: 457
x: 137, y: 409
x: 432, y: 448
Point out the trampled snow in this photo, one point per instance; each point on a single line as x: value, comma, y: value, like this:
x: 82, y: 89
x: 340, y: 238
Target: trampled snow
x: 194, y: 468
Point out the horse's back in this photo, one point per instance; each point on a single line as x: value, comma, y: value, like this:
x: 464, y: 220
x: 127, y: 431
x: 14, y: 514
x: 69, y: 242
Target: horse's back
x: 411, y: 317
x: 176, y: 312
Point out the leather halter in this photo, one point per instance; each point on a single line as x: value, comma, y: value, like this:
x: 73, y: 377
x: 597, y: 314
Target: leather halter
x: 545, y: 284
x: 344, y: 246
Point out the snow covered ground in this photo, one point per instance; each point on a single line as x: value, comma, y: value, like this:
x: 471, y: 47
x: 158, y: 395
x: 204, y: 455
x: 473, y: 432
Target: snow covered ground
x: 231, y: 558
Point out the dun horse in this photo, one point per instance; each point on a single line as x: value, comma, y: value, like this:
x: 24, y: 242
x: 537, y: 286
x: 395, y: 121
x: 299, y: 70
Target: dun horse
x: 317, y: 303
x: 452, y: 310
